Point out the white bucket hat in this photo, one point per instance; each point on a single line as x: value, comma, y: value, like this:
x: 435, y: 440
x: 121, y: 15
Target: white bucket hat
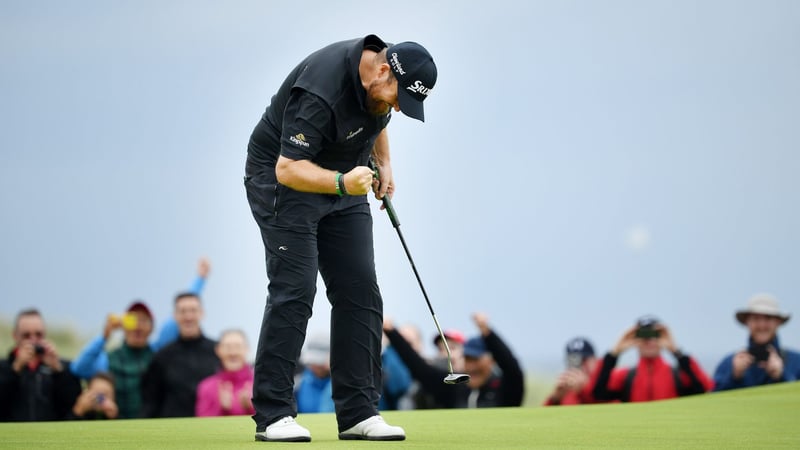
x: 764, y: 304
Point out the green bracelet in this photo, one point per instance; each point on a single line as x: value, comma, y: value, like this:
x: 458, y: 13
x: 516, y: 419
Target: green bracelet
x: 339, y: 184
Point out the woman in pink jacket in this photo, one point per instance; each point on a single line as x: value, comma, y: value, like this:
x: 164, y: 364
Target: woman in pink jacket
x: 228, y: 392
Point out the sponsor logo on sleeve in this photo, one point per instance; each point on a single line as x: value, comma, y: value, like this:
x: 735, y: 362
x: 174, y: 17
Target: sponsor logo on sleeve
x: 299, y: 139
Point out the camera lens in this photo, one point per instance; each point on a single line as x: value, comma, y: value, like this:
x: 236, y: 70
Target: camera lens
x: 39, y: 349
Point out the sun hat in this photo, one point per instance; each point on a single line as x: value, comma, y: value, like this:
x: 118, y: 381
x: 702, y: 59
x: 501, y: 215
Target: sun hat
x: 764, y: 304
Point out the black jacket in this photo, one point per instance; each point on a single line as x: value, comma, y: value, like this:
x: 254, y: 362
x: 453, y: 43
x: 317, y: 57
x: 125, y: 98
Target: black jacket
x: 169, y: 385
x: 502, y: 389
x: 38, y: 394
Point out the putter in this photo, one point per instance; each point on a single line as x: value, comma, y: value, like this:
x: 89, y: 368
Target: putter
x: 451, y: 378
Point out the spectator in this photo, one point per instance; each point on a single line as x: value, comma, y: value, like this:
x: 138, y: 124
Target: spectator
x: 652, y: 378
x: 228, y: 392
x: 455, y: 341
x: 97, y: 401
x: 35, y: 384
x: 93, y: 358
x: 125, y: 363
x: 764, y: 361
x: 496, y: 378
x: 313, y: 389
x: 397, y: 379
x: 169, y: 384
x: 400, y: 390
x: 574, y: 386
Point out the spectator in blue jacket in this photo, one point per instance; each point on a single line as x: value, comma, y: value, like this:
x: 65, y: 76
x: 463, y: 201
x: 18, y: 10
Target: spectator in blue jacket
x: 396, y: 379
x: 764, y: 361
x: 313, y: 388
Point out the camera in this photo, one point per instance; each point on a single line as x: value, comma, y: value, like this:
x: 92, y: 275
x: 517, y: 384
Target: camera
x: 647, y: 332
x: 99, y: 399
x: 760, y: 352
x: 130, y: 321
x: 39, y: 349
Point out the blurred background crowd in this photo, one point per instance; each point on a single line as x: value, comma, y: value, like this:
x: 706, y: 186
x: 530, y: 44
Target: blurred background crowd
x: 130, y: 369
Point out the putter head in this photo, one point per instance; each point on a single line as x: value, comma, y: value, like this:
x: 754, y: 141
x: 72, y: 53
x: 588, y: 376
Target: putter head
x: 456, y: 378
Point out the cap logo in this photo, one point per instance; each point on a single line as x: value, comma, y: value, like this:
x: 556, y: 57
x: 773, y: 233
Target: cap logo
x: 396, y: 64
x: 419, y: 88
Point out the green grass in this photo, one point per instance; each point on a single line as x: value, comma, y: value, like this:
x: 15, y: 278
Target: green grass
x: 765, y: 417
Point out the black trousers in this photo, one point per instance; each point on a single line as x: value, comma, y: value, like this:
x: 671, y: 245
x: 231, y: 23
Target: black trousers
x: 305, y: 234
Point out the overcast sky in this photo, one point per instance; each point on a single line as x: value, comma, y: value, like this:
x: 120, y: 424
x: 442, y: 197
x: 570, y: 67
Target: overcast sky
x: 582, y: 163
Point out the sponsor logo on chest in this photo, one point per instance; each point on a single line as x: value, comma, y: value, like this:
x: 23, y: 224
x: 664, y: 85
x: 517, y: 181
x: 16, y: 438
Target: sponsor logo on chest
x: 355, y: 133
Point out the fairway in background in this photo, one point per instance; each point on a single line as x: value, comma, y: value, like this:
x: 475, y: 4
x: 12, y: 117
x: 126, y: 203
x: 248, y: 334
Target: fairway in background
x: 763, y: 417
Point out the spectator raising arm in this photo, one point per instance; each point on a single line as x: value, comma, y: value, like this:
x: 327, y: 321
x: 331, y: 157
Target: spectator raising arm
x: 169, y: 330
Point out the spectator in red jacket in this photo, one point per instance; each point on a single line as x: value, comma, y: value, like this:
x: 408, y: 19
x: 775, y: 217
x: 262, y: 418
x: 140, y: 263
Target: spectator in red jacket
x: 652, y: 378
x: 574, y: 386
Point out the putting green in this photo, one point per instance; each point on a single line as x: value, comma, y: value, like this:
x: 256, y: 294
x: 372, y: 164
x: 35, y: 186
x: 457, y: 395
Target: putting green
x: 764, y: 417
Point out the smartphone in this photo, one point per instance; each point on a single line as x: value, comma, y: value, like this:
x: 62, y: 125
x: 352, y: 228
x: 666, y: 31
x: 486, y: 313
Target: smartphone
x: 760, y: 352
x: 574, y: 360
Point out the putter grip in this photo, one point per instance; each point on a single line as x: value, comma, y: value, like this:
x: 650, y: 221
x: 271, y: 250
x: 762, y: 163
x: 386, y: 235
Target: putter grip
x: 387, y: 203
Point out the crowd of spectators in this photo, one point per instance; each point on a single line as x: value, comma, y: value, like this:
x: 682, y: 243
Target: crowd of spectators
x: 182, y: 372
x: 763, y: 360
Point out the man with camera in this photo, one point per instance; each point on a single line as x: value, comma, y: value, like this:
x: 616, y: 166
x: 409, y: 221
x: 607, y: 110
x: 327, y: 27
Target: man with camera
x: 35, y: 384
x: 652, y: 378
x: 764, y: 361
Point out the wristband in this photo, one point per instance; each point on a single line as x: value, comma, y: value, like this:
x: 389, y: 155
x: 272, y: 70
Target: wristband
x: 338, y: 183
x: 342, y: 188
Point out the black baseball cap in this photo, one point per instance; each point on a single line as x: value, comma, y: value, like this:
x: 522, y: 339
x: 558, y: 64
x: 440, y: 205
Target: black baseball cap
x: 416, y: 73
x: 580, y: 346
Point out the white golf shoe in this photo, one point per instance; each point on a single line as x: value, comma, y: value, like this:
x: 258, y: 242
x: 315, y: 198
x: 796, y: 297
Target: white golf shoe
x: 373, y: 429
x: 284, y: 430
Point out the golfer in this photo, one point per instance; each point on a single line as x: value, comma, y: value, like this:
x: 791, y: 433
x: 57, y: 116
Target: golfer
x: 306, y: 178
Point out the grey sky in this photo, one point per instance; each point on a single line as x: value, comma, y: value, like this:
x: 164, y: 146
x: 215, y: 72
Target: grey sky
x: 583, y: 163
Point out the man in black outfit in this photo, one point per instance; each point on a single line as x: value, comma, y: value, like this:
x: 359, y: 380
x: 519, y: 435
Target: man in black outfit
x: 306, y: 178
x: 35, y: 383
x: 169, y: 385
x: 483, y: 355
